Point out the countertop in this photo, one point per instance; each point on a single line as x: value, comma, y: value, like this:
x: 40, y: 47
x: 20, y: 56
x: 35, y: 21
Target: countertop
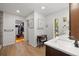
x: 64, y: 44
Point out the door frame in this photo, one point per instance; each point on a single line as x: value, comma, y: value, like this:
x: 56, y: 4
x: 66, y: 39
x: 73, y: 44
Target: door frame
x: 27, y: 30
x: 24, y: 29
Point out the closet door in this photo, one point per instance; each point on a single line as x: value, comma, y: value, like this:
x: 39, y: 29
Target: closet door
x: 74, y: 17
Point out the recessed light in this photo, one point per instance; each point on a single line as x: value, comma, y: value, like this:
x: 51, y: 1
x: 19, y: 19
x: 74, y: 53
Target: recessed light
x: 18, y: 11
x: 43, y: 7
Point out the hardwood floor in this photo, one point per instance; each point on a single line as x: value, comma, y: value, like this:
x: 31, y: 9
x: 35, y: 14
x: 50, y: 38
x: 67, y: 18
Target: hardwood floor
x: 22, y: 49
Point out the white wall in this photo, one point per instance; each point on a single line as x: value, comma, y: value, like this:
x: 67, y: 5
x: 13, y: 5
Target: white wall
x: 50, y: 21
x: 30, y: 31
x: 25, y: 29
x: 33, y: 32
x: 9, y: 24
x: 40, y: 18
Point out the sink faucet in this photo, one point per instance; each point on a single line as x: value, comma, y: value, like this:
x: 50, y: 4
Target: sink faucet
x: 76, y: 43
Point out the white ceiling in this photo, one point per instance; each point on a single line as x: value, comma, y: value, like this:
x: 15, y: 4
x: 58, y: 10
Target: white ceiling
x: 27, y: 8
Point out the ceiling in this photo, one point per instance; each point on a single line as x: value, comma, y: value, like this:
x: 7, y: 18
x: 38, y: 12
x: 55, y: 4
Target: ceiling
x: 26, y: 8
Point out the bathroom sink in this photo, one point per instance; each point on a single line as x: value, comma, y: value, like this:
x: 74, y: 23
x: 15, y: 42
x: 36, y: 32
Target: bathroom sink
x: 64, y: 41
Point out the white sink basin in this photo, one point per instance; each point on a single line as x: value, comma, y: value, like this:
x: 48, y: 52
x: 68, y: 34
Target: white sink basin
x: 64, y: 41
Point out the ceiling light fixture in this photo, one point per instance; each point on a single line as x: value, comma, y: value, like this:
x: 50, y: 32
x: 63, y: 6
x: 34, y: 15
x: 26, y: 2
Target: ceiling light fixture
x: 43, y: 7
x: 18, y: 11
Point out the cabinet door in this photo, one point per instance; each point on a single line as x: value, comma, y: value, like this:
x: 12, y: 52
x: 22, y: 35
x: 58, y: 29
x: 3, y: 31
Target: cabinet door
x: 53, y: 52
x: 74, y: 14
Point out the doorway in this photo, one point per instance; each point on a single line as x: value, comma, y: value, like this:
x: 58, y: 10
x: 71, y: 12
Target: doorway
x: 19, y: 31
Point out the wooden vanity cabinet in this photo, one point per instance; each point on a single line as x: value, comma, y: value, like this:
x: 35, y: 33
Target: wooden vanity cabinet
x: 53, y: 52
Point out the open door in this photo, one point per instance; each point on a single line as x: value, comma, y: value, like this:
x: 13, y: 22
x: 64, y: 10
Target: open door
x: 19, y: 30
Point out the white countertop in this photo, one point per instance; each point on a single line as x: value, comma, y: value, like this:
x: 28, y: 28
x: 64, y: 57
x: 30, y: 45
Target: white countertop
x: 64, y: 44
